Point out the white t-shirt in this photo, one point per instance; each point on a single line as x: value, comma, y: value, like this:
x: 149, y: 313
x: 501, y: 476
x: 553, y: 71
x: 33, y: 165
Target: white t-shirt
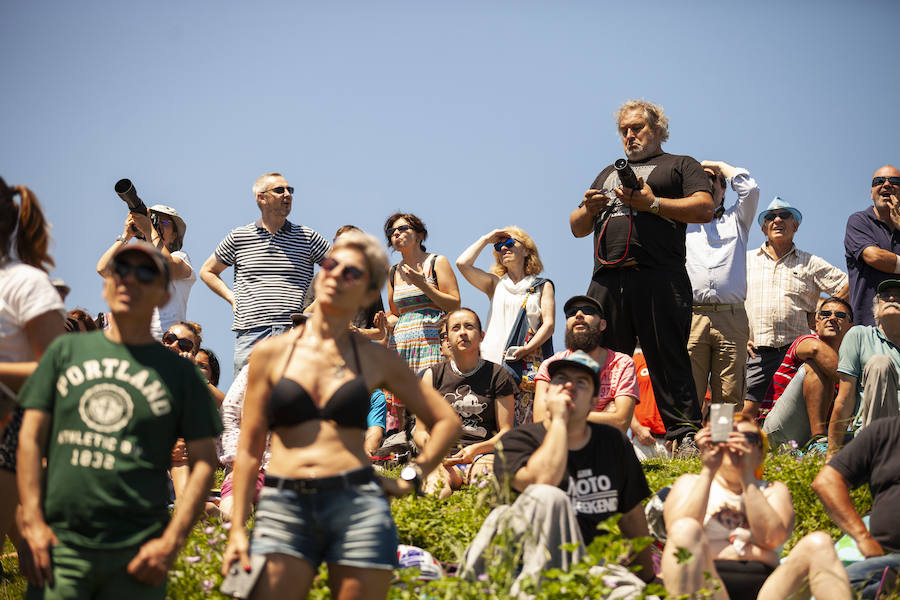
x: 176, y: 309
x: 25, y: 293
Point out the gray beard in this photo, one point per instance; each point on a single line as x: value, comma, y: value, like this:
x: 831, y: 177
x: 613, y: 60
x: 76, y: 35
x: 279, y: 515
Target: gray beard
x: 586, y: 341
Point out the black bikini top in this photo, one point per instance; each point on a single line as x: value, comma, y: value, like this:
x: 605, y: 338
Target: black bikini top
x: 290, y: 403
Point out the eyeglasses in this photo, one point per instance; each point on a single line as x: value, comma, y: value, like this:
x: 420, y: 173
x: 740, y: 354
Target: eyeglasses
x: 280, y: 190
x: 826, y: 314
x: 894, y: 181
x: 184, y: 344
x: 586, y: 309
x: 785, y: 215
x: 753, y: 438
x: 165, y: 221
x: 349, y: 273
x: 507, y: 243
x: 442, y: 336
x: 142, y: 272
x: 399, y: 229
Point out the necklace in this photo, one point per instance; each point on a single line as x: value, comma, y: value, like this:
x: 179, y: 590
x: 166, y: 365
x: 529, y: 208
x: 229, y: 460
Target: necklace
x: 466, y: 373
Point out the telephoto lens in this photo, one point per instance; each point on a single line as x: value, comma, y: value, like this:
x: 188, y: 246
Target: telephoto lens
x: 125, y: 189
x: 626, y: 175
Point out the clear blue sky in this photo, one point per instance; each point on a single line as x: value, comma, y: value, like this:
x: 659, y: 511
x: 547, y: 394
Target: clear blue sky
x: 473, y: 115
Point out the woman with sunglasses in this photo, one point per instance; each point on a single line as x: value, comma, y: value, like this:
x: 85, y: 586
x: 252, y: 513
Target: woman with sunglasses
x: 508, y: 285
x: 31, y: 316
x: 733, y: 526
x: 421, y: 289
x: 163, y: 228
x: 321, y: 500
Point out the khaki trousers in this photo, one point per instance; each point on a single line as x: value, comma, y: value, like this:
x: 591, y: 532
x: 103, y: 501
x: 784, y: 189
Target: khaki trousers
x: 717, y: 345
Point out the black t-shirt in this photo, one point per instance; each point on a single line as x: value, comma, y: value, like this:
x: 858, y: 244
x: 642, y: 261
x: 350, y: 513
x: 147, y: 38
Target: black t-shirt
x: 474, y: 397
x: 874, y: 457
x: 652, y: 240
x: 604, y: 477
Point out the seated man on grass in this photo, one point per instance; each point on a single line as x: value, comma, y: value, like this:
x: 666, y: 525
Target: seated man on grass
x: 573, y: 475
x: 799, y: 400
x: 872, y: 458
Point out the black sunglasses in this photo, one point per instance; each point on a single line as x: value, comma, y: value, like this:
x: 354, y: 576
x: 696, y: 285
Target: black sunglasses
x: 280, y: 189
x: 894, y: 181
x: 837, y: 313
x: 507, y: 243
x: 586, y: 309
x: 399, y: 228
x: 349, y: 273
x: 184, y: 344
x: 784, y: 214
x: 753, y: 438
x: 442, y: 336
x: 143, y: 273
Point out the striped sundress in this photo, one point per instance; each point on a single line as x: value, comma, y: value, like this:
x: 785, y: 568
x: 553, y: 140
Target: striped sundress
x: 415, y: 335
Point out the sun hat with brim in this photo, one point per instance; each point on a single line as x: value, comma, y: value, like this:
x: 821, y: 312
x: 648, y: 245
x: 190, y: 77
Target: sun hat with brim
x: 148, y: 250
x: 180, y: 225
x: 580, y: 360
x: 776, y: 205
x: 887, y: 284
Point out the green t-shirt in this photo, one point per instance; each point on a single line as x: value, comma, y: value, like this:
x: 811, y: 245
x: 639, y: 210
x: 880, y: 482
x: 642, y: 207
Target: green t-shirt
x: 116, y: 413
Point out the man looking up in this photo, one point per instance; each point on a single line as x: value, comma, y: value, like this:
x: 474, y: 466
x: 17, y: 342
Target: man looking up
x: 105, y: 408
x: 717, y: 267
x: 273, y: 266
x: 798, y: 402
x: 784, y: 285
x: 615, y: 399
x: 867, y: 366
x: 639, y: 256
x: 573, y: 475
x: 872, y: 242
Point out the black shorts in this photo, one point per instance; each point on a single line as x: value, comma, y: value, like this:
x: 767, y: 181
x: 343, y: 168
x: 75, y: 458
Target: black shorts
x: 743, y: 578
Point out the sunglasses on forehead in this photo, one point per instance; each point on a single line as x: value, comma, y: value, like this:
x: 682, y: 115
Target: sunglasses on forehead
x: 894, y: 181
x: 184, y: 344
x: 143, y: 273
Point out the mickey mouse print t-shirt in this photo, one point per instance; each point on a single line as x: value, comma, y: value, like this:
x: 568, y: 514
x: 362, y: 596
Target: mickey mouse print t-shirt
x: 474, y: 397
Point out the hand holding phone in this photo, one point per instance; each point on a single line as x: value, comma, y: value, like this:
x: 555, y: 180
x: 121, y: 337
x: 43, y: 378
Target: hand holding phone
x: 721, y: 421
x: 511, y: 353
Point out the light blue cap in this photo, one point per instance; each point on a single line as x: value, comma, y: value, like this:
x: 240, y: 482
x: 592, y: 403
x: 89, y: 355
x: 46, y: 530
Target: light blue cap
x: 579, y: 359
x: 776, y: 205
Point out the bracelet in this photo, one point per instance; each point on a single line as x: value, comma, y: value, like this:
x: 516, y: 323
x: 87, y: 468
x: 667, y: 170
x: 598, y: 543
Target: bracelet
x: 897, y: 265
x: 121, y: 238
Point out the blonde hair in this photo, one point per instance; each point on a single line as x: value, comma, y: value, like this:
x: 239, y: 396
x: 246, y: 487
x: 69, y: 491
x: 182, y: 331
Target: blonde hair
x: 654, y: 114
x: 533, y: 264
x: 374, y: 255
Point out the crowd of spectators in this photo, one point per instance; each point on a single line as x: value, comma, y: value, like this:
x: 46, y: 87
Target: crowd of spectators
x: 104, y: 426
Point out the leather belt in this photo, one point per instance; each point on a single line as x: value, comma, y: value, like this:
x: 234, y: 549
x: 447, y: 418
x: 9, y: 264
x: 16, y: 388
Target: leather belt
x: 631, y: 262
x: 322, y: 484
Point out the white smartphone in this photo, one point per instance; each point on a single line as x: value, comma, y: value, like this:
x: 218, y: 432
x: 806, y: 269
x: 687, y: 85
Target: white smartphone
x: 510, y: 353
x: 721, y: 420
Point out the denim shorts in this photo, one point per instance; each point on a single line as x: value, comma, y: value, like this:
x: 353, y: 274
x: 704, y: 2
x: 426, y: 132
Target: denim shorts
x: 351, y: 526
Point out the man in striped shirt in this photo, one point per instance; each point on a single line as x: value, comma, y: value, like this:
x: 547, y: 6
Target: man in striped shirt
x: 798, y: 402
x: 273, y: 266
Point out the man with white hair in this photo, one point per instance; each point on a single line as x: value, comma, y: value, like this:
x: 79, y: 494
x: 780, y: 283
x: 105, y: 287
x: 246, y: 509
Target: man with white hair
x: 164, y: 229
x: 868, y: 365
x: 784, y: 285
x: 639, y: 256
x: 273, y: 266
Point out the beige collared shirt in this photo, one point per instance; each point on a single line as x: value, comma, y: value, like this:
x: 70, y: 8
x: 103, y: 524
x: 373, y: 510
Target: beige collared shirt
x: 781, y: 292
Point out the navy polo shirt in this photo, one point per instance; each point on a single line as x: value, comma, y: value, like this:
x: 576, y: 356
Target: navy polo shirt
x: 864, y: 229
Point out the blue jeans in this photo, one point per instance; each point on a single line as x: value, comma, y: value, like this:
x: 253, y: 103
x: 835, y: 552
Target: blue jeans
x: 866, y: 576
x: 245, y: 339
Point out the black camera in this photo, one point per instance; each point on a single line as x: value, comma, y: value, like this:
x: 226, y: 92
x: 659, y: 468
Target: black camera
x: 626, y: 175
x: 125, y: 189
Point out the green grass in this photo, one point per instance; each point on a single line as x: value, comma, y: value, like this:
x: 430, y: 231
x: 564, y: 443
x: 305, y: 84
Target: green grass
x: 445, y: 527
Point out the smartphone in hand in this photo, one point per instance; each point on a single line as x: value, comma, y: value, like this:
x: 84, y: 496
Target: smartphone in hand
x: 721, y: 421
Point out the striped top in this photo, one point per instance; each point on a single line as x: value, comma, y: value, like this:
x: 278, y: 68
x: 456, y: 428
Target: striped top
x: 271, y: 272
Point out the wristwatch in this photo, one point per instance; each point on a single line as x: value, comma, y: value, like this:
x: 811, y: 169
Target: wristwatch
x: 412, y: 473
x: 654, y: 206
x: 121, y: 238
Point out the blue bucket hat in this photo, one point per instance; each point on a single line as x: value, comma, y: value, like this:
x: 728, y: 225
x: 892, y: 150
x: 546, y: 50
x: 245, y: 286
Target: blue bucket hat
x: 776, y: 205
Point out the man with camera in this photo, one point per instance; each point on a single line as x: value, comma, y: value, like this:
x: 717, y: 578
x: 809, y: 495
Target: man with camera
x: 717, y: 267
x: 273, y: 267
x: 161, y: 226
x: 872, y: 242
x: 104, y: 409
x: 639, y: 256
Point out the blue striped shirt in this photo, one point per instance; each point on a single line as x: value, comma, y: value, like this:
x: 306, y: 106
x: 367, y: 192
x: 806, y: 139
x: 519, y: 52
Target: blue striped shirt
x: 271, y: 272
